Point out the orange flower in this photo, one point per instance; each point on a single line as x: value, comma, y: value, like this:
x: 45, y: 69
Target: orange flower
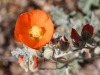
x: 34, y: 29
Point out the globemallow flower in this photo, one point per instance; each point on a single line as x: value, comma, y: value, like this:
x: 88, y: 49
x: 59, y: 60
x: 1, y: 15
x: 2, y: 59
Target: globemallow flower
x: 34, y: 29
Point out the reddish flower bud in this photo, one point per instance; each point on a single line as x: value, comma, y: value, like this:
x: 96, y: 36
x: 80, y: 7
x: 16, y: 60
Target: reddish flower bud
x: 36, y: 61
x: 88, y: 28
x: 64, y: 44
x: 63, y: 39
x: 75, y: 36
x: 21, y: 59
x: 22, y: 63
x: 87, y: 32
x: 53, y: 41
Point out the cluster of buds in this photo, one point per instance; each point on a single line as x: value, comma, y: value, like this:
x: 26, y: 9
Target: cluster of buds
x: 32, y: 64
x: 28, y: 58
x: 58, y: 50
x: 60, y: 42
x: 85, y: 45
x: 86, y: 34
x: 85, y: 42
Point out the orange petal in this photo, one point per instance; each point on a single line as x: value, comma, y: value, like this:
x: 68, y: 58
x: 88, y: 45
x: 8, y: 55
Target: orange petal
x: 38, y: 17
x: 17, y: 38
x: 23, y: 23
x: 29, y: 41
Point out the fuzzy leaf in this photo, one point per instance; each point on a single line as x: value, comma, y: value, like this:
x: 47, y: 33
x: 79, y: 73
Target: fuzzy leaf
x: 85, y: 5
x: 58, y: 16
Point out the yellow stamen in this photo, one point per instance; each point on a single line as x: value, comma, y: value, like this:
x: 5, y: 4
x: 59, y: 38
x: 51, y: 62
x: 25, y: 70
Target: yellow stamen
x: 36, y: 32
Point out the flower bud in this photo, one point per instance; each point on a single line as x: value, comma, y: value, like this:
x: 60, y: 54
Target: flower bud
x: 36, y: 61
x: 53, y: 41
x: 87, y: 32
x: 33, y: 63
x: 64, y: 44
x: 86, y: 35
x: 22, y: 63
x: 48, y: 52
x: 21, y: 59
x: 89, y: 28
x: 75, y: 37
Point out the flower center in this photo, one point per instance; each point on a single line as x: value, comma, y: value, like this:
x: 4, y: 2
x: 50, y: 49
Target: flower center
x: 36, y: 32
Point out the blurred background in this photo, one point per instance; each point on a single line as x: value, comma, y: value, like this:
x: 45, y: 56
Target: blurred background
x: 65, y: 15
